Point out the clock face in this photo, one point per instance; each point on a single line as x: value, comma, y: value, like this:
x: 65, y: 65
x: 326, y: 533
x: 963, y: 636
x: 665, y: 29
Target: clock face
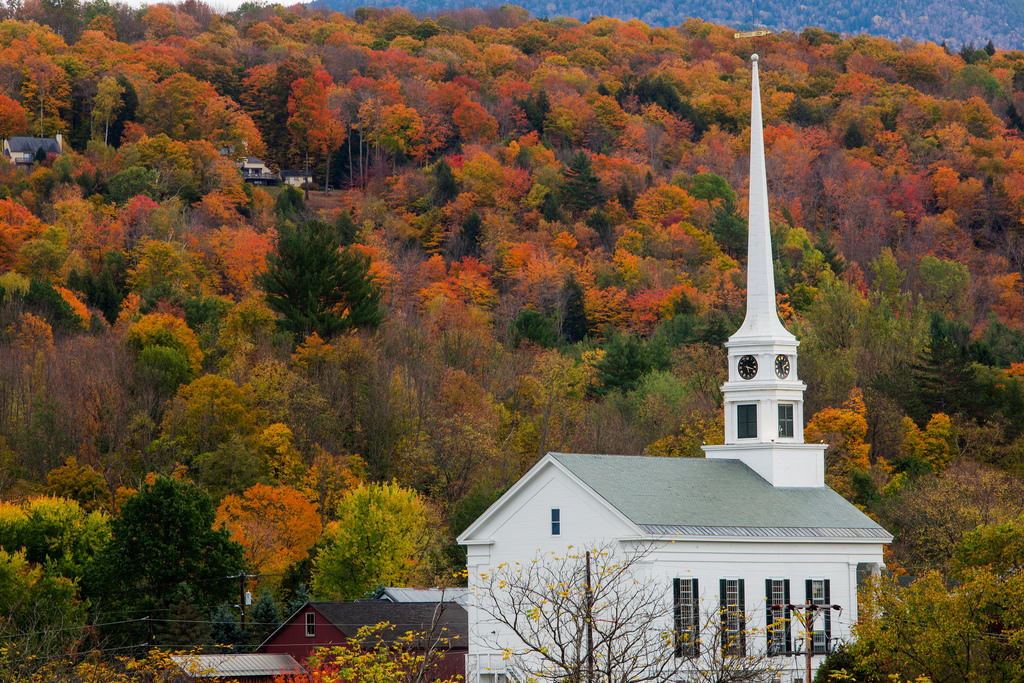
x: 747, y: 367
x: 782, y: 366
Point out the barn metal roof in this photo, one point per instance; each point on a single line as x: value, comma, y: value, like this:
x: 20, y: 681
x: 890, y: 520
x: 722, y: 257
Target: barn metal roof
x: 226, y: 665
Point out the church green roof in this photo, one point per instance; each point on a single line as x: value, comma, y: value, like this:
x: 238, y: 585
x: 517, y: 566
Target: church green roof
x: 713, y: 497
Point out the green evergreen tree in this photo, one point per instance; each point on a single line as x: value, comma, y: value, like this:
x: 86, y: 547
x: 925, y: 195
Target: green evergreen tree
x: 552, y: 208
x: 573, y: 321
x: 315, y: 286
x: 446, y: 188
x: 106, y: 289
x: 466, y: 241
x: 535, y: 327
x: 624, y: 364
x: 828, y: 251
x: 225, y: 629
x: 582, y: 188
x: 184, y: 626
x: 289, y: 204
x: 265, y: 617
x: 347, y: 229
x: 598, y: 220
x: 853, y: 137
x: 626, y: 196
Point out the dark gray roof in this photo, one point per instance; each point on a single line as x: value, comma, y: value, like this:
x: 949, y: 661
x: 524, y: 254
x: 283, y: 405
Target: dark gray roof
x: 404, y: 617
x: 712, y: 497
x: 26, y: 144
x: 237, y: 665
x: 291, y: 173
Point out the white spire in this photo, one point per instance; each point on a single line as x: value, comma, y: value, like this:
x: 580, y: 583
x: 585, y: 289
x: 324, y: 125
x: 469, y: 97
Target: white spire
x: 764, y: 397
x: 762, y: 318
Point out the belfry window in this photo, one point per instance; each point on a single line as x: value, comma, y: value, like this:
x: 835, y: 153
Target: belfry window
x: 746, y: 421
x: 785, y: 419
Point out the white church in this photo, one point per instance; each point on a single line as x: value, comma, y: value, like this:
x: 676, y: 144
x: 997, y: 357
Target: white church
x: 751, y: 526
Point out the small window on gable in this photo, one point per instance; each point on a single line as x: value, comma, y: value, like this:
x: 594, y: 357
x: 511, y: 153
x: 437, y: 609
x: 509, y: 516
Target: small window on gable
x: 556, y: 521
x: 785, y: 420
x: 310, y: 624
x: 746, y: 421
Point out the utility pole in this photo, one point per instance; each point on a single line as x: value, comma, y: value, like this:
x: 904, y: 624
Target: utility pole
x: 806, y: 615
x: 590, y: 626
x: 241, y: 596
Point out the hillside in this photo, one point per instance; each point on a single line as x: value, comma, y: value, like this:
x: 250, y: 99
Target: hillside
x: 957, y: 22
x: 532, y: 240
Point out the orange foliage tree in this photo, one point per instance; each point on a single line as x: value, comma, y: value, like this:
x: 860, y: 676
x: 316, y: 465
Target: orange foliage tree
x: 276, y: 525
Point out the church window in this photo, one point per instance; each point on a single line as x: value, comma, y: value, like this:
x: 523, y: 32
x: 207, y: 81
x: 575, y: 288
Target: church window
x: 734, y: 626
x: 556, y: 521
x: 785, y: 419
x: 818, y: 594
x: 746, y: 421
x: 779, y: 617
x: 685, y: 616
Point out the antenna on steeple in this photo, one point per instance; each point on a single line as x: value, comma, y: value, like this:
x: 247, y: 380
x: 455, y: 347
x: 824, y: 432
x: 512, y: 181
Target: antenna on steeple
x: 754, y: 31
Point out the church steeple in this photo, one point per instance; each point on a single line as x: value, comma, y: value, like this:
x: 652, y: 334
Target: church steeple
x: 762, y: 318
x: 763, y: 396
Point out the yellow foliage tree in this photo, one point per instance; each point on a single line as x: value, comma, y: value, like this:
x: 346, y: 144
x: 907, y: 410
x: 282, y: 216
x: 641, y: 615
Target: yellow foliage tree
x: 164, y: 329
x: 280, y: 460
x: 934, y: 445
x: 843, y: 429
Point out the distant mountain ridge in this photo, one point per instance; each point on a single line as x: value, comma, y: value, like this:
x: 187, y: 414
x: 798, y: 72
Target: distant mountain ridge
x: 957, y: 22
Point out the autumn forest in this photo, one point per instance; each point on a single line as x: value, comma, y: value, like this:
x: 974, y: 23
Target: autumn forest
x: 523, y: 236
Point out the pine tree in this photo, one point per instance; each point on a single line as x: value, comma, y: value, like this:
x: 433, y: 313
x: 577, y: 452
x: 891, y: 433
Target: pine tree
x: 574, y: 316
x: 446, y: 188
x: 582, y: 188
x: 265, y: 617
x: 225, y: 630
x: 317, y: 287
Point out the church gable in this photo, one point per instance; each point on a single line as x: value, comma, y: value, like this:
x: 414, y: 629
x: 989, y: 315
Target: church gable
x: 549, y: 503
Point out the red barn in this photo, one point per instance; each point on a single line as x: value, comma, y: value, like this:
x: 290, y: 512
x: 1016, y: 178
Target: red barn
x: 322, y: 624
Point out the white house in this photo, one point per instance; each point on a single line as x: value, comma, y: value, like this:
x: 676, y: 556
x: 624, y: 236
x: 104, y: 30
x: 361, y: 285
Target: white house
x: 749, y: 526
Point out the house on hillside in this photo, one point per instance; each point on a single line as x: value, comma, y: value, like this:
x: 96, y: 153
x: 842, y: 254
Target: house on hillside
x: 323, y: 624
x: 748, y: 538
x: 237, y: 668
x: 255, y: 171
x: 296, y: 178
x: 23, y: 150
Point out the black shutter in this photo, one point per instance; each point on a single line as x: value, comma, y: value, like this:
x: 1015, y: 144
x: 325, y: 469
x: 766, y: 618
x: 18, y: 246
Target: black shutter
x: 789, y: 617
x: 809, y: 591
x: 769, y: 615
x: 723, y: 603
x: 741, y: 607
x: 677, y: 618
x: 828, y: 616
x: 695, y: 614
